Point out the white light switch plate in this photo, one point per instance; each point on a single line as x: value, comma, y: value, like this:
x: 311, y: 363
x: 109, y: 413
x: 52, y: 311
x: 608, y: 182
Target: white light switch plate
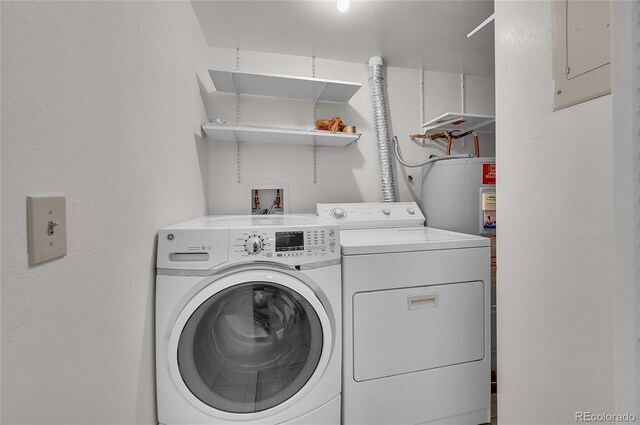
x: 47, y: 228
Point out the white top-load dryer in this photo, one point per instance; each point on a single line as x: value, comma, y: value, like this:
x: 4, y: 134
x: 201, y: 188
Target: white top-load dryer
x: 248, y: 321
x: 416, y: 318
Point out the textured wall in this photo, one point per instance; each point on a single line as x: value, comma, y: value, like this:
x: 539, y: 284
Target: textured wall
x: 555, y: 241
x: 103, y: 101
x: 625, y: 33
x: 344, y: 174
x: 100, y: 102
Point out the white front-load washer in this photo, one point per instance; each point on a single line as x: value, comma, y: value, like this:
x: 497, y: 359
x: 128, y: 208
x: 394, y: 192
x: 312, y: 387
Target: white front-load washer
x: 248, y: 321
x: 416, y: 318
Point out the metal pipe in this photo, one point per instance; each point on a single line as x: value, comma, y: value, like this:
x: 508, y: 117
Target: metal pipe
x: 423, y: 163
x: 475, y: 140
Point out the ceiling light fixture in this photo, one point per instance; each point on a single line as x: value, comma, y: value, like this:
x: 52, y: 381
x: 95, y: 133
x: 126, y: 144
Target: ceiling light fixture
x: 343, y: 5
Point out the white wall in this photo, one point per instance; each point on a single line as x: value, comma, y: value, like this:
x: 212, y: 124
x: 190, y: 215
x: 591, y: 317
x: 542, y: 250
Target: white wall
x: 100, y: 101
x: 625, y: 34
x: 555, y: 240
x: 344, y: 174
x: 103, y: 101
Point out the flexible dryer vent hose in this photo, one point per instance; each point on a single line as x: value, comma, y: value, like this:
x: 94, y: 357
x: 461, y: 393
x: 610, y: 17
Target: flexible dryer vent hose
x: 381, y: 122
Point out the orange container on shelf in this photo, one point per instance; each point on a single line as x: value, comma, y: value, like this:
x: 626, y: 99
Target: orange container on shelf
x: 335, y: 124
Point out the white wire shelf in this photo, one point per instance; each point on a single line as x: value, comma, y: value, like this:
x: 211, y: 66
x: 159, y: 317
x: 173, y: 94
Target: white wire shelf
x: 271, y: 135
x: 315, y: 89
x: 463, y: 122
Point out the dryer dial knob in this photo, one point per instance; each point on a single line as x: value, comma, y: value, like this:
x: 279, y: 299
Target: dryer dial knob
x: 386, y: 211
x: 253, y: 245
x: 411, y: 211
x: 338, y: 213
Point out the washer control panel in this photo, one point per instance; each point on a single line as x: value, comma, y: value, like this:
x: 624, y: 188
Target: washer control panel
x: 291, y: 246
x: 212, y: 241
x: 372, y: 215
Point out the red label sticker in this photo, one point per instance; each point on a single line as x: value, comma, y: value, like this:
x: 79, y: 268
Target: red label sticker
x: 488, y: 173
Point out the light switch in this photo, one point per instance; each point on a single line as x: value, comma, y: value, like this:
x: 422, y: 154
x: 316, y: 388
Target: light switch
x: 47, y: 228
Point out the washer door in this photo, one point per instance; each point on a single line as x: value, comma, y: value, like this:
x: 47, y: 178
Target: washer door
x: 251, y: 341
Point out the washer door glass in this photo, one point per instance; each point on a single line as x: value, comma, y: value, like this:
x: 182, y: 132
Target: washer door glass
x: 250, y: 347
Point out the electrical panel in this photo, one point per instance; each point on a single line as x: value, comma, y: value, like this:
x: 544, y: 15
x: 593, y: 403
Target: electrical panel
x: 581, y: 51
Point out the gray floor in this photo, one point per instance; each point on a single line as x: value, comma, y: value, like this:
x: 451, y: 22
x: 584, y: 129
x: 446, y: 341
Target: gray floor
x: 494, y: 409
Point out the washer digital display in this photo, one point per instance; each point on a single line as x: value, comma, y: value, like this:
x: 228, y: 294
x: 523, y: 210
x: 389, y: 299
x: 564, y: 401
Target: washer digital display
x: 289, y: 241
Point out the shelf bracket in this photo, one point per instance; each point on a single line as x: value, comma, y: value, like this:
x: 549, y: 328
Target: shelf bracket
x: 315, y: 164
x: 463, y: 100
x: 238, y: 159
x: 237, y: 115
x: 315, y: 103
x: 482, y: 25
x: 321, y: 91
x: 482, y: 124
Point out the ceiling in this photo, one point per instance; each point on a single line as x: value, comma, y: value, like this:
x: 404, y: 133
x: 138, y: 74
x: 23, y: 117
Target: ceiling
x: 413, y: 34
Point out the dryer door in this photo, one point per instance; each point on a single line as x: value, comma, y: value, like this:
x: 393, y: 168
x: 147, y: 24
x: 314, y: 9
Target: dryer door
x: 251, y: 341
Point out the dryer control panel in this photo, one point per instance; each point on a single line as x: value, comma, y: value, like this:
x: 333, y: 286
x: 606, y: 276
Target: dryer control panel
x: 372, y: 215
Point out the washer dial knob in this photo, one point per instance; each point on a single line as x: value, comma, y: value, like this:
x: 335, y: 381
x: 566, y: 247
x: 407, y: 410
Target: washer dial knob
x: 338, y: 213
x: 253, y: 245
x: 411, y: 211
x: 386, y: 211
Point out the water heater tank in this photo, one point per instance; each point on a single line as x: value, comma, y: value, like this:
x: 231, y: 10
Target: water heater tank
x: 459, y: 195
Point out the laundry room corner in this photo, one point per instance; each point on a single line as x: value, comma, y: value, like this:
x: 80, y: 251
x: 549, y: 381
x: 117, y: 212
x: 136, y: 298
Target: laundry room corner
x: 346, y: 174
x: 284, y: 212
x: 101, y: 104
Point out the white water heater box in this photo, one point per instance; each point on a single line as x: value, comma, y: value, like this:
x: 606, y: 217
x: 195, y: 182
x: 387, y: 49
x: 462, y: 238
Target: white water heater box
x: 459, y: 195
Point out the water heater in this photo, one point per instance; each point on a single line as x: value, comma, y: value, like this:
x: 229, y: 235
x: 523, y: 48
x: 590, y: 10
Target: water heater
x: 460, y: 195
